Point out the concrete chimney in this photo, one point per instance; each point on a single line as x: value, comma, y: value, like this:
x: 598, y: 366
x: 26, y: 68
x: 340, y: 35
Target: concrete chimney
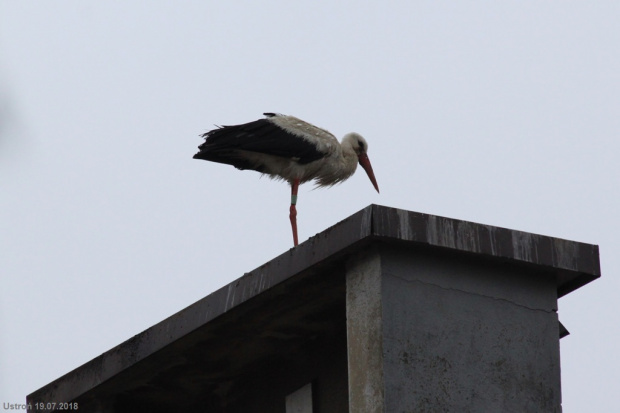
x: 387, y: 311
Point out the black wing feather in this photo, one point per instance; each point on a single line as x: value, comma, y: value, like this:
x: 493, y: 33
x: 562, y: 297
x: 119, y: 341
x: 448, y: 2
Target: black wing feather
x: 262, y: 136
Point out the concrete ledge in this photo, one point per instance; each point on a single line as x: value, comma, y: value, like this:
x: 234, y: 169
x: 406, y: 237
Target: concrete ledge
x: 576, y: 263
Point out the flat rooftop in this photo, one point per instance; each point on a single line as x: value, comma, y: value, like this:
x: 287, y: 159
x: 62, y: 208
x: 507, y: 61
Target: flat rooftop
x: 302, y: 292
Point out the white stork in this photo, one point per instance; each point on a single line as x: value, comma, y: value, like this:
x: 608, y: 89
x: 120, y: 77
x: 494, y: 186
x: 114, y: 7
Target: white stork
x: 290, y: 149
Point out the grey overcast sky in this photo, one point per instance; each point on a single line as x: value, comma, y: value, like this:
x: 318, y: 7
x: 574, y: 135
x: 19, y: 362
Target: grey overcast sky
x: 503, y: 113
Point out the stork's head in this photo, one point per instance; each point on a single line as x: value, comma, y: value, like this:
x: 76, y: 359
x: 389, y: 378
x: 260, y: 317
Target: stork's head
x: 360, y: 146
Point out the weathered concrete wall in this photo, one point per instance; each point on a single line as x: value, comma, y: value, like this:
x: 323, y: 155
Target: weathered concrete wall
x: 364, y: 334
x: 453, y: 333
x: 443, y: 315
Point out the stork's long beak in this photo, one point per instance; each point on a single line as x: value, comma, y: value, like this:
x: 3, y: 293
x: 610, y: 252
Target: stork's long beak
x: 365, y: 162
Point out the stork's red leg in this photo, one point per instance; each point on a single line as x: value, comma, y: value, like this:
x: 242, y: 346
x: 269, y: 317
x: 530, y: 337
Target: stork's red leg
x: 293, y: 214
